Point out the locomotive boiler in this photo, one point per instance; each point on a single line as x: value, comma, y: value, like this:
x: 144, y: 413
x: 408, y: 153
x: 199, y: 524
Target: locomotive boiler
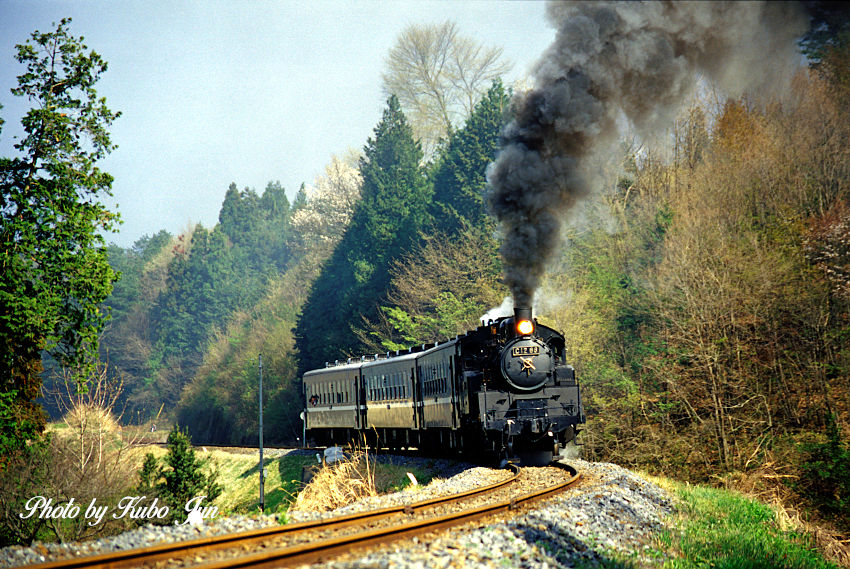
x: 503, y: 391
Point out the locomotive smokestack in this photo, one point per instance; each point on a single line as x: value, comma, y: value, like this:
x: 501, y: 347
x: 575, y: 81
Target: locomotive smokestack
x: 638, y: 60
x: 522, y: 320
x: 522, y: 313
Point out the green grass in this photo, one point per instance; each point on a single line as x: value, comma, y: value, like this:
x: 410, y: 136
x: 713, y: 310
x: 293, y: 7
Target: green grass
x: 238, y: 474
x: 393, y: 478
x: 240, y: 478
x: 725, y: 530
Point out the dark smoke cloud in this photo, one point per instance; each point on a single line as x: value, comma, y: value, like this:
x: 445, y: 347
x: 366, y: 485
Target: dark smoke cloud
x: 640, y: 60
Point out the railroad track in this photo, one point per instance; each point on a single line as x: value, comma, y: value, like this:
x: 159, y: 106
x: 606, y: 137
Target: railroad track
x: 321, y: 540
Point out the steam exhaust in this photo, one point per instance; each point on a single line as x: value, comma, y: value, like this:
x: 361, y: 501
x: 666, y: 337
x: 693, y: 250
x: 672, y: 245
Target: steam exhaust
x: 637, y: 60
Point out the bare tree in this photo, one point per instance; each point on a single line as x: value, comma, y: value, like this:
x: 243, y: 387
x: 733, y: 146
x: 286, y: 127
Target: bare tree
x: 439, y: 76
x: 90, y: 455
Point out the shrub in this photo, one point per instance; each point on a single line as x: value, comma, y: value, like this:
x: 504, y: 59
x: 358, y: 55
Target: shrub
x: 339, y: 484
x: 827, y: 471
x: 183, y: 476
x: 22, y: 477
x: 148, y: 476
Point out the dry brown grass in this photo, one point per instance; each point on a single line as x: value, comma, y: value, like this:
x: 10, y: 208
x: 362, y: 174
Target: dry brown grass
x: 91, y: 417
x: 339, y: 484
x: 89, y: 456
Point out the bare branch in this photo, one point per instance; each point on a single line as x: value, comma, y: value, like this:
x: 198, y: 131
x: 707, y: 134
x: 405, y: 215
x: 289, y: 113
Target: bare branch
x: 439, y: 76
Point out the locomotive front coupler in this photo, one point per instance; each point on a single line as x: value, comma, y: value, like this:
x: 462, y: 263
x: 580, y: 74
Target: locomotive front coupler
x: 513, y: 428
x: 547, y: 433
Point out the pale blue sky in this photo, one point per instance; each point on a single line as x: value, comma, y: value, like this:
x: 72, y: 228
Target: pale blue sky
x: 214, y: 92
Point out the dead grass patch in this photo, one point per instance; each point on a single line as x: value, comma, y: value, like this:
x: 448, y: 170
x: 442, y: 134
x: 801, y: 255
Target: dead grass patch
x: 339, y: 484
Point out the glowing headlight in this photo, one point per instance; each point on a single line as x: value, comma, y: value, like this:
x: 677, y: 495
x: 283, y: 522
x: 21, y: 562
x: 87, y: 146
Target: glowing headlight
x: 525, y: 327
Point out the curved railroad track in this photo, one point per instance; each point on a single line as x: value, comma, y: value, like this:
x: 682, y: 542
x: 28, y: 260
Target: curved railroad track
x: 320, y: 540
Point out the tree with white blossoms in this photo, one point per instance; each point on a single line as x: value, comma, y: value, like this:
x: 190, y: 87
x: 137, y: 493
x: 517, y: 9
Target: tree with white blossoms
x: 318, y: 226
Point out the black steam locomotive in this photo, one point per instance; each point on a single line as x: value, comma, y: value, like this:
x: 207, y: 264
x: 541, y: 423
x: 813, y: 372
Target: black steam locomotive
x: 503, y: 390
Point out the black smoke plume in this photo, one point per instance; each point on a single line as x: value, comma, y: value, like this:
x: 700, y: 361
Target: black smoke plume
x: 638, y: 60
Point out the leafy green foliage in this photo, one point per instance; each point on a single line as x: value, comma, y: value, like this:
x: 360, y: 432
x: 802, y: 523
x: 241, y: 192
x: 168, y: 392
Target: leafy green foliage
x: 441, y: 285
x: 827, y: 470
x: 300, y: 199
x: 221, y: 402
x: 829, y: 27
x: 460, y: 173
x: 723, y: 529
x: 437, y: 291
x: 178, y: 294
x: 55, y: 270
x: 131, y: 265
x: 148, y: 475
x: 24, y: 475
x: 449, y: 310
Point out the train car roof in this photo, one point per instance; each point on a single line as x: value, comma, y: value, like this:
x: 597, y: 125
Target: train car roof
x: 354, y: 365
x: 436, y: 347
x: 401, y: 358
x: 381, y: 359
x: 422, y: 350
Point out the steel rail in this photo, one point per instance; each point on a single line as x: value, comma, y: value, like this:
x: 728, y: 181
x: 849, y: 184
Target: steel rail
x: 325, y: 550
x: 144, y: 555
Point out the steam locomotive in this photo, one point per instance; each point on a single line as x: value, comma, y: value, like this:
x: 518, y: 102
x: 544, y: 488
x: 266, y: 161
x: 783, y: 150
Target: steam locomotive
x: 503, y: 391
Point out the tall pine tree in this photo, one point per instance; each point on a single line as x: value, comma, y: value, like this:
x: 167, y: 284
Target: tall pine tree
x: 426, y: 303
x: 386, y: 223
x: 54, y: 271
x: 460, y: 176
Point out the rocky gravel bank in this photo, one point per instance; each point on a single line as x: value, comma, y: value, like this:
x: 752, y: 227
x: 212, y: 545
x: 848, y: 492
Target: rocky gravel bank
x: 613, y: 512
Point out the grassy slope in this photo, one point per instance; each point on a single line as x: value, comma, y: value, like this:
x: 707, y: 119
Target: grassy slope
x: 730, y: 530
x: 239, y: 477
x: 724, y: 529
x: 240, y: 480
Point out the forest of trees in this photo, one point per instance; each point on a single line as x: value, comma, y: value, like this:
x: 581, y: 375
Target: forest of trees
x: 317, y: 277
x: 704, y: 292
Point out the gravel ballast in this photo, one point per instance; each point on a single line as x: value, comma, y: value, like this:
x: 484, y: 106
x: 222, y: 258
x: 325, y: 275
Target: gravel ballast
x: 611, y: 513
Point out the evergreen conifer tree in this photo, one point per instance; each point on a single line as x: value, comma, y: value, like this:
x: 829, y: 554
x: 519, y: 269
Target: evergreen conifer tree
x: 182, y: 476
x: 460, y: 176
x: 300, y: 199
x: 55, y: 271
x: 386, y: 223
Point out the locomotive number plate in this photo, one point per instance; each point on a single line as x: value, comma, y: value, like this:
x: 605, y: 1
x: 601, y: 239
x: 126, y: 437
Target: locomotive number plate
x: 517, y: 351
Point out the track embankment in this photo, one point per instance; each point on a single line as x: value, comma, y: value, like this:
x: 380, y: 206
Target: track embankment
x: 610, y: 512
x: 322, y: 539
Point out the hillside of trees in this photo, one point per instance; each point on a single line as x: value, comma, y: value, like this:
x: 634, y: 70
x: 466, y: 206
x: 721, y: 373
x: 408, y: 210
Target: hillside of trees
x: 191, y: 313
x: 705, y: 294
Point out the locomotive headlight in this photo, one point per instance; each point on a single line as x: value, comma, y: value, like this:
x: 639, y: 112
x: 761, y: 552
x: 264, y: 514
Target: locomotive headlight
x: 525, y: 327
